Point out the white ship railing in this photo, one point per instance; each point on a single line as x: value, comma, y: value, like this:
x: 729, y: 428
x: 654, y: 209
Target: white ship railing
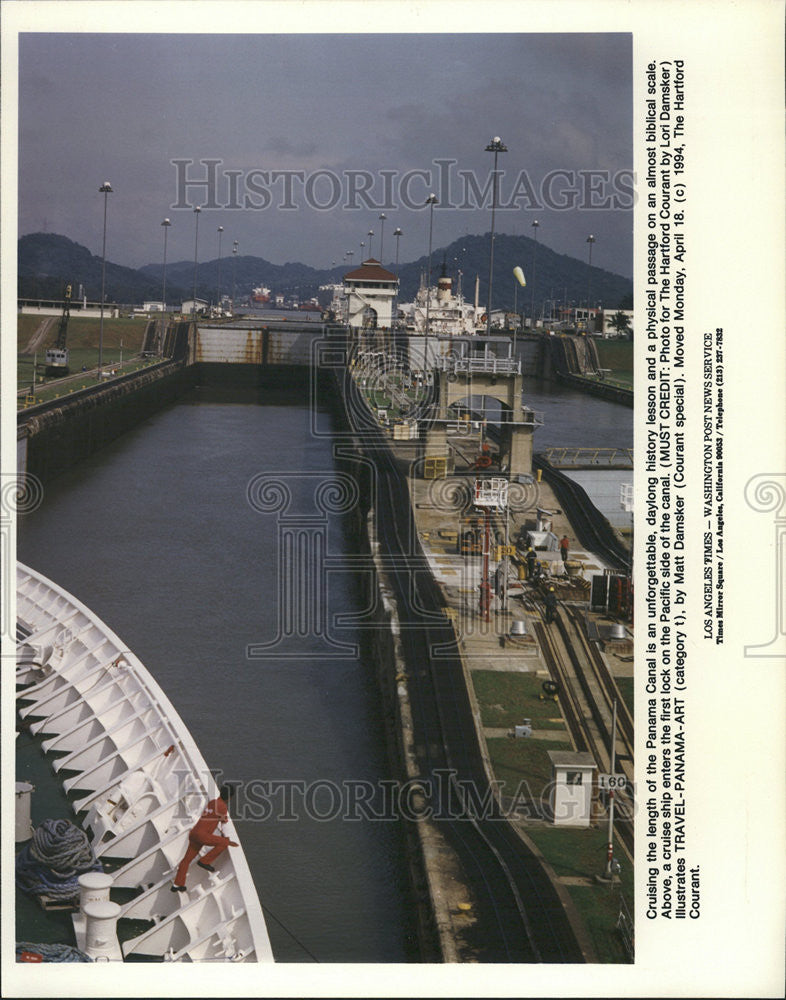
x: 144, y: 779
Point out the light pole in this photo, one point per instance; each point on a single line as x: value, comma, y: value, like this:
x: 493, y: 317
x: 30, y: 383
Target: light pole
x: 350, y: 255
x: 609, y: 874
x: 166, y: 224
x: 398, y: 235
x: 382, y: 218
x: 535, y: 225
x: 234, y: 272
x: 197, y: 210
x: 218, y: 290
x: 362, y: 248
x: 370, y: 235
x: 627, y: 504
x: 590, y: 240
x: 106, y: 190
x: 431, y: 201
x: 496, y: 146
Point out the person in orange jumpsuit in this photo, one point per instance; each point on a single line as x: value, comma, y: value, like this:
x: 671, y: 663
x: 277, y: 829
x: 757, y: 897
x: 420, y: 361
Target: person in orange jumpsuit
x: 203, y: 835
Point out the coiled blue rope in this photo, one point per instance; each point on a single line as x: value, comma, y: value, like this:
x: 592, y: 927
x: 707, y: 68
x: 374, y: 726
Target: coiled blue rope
x: 52, y: 952
x: 50, y: 865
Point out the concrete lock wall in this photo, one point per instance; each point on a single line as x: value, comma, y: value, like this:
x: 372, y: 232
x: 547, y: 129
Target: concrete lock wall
x: 82, y: 424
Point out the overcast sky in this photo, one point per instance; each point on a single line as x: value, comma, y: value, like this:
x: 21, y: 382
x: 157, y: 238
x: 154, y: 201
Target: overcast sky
x: 122, y: 108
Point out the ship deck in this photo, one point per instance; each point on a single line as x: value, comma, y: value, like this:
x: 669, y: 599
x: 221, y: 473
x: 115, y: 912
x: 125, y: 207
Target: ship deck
x: 104, y: 748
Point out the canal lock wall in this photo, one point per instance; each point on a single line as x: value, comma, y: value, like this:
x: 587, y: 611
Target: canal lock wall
x: 382, y: 648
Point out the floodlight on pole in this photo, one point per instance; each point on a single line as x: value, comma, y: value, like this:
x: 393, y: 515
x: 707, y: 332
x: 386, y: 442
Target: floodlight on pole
x: 106, y: 190
x: 431, y: 201
x: 496, y: 146
x: 197, y: 210
x: 234, y: 272
x: 166, y: 224
x: 218, y: 290
x: 590, y: 240
x: 382, y: 218
x: 398, y: 234
x: 535, y: 225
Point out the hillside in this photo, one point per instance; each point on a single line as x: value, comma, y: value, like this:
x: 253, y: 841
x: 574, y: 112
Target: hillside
x: 48, y: 261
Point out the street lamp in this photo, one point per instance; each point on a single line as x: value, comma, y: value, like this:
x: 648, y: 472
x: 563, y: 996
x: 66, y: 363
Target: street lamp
x: 590, y: 240
x: 197, y: 210
x: 362, y: 247
x: 496, y: 146
x: 166, y: 224
x: 535, y: 225
x: 234, y: 272
x: 106, y: 190
x: 370, y: 235
x: 218, y: 291
x: 398, y: 235
x: 431, y: 201
x: 382, y: 218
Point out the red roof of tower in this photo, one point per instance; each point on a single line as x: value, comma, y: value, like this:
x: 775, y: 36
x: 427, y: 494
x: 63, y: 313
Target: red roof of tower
x: 370, y: 270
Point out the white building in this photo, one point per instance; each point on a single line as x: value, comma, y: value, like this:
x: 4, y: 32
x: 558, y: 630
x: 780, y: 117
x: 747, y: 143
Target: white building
x: 190, y: 306
x: 369, y: 291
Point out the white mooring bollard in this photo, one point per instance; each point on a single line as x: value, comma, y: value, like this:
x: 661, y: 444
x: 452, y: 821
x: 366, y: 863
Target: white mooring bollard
x: 94, y: 888
x: 101, y: 930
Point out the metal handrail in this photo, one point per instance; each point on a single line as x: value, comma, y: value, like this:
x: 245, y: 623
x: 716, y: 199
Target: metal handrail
x: 491, y: 366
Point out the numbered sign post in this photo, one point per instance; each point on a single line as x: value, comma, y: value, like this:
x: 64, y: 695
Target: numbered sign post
x: 612, y: 782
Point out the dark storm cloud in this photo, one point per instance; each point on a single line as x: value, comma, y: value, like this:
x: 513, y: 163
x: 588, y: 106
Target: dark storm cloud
x: 123, y: 107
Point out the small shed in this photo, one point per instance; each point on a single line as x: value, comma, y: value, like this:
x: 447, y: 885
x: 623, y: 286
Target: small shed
x: 572, y: 779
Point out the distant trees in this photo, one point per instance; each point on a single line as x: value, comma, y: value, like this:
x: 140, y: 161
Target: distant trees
x: 621, y: 324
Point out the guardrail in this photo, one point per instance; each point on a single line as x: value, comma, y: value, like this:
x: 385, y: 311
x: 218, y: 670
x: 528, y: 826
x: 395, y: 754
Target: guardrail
x: 580, y: 455
x: 483, y: 366
x: 28, y: 410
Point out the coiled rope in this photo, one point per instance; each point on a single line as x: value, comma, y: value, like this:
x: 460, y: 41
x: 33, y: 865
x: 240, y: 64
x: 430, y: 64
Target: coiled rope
x: 49, y: 953
x: 50, y: 865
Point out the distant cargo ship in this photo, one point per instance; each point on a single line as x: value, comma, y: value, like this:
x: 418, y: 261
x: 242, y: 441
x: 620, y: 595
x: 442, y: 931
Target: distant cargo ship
x: 259, y: 296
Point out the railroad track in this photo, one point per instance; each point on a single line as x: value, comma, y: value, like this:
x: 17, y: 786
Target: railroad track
x: 592, y: 528
x: 587, y: 694
x: 519, y: 915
